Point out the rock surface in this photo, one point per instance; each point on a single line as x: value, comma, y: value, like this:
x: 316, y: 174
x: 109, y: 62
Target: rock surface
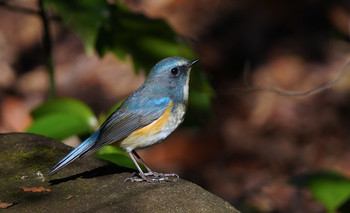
x: 87, y: 185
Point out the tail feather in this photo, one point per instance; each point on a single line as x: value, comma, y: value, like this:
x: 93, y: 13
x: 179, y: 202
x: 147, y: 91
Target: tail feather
x: 80, y: 151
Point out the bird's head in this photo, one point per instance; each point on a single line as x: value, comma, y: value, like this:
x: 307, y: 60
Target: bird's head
x: 171, y: 75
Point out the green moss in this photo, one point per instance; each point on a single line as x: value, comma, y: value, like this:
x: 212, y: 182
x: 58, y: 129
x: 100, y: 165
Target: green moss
x: 4, y: 170
x: 16, y: 156
x: 16, y: 177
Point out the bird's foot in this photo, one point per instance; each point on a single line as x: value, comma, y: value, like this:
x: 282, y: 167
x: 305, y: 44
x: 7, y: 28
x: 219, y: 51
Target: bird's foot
x: 162, y: 175
x: 153, y: 177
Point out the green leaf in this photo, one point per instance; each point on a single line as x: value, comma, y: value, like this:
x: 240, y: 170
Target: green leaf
x: 60, y: 126
x: 66, y: 106
x: 145, y: 40
x: 330, y: 188
x: 117, y: 156
x: 107, y: 27
x: 85, y: 17
x: 63, y: 117
x: 331, y: 191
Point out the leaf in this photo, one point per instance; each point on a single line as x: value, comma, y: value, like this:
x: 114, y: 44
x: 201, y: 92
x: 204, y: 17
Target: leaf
x: 60, y: 126
x: 35, y: 189
x: 117, y: 156
x: 110, y: 27
x: 5, y: 205
x: 61, y: 118
x: 145, y: 40
x: 85, y: 17
x: 66, y: 106
x: 332, y: 192
x: 330, y: 188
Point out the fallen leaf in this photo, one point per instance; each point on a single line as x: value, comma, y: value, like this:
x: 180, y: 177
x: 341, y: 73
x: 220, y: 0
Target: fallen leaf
x: 35, y: 189
x: 5, y: 205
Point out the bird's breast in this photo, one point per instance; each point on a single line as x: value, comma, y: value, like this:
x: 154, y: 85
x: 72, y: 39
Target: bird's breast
x: 157, y: 131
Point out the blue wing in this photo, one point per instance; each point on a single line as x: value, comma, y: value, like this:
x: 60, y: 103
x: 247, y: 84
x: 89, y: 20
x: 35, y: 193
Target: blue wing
x: 133, y: 114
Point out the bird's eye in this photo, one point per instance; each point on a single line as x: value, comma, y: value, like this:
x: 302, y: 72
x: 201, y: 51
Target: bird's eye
x: 174, y: 71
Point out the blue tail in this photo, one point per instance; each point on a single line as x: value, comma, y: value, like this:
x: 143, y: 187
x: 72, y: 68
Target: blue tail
x: 76, y: 153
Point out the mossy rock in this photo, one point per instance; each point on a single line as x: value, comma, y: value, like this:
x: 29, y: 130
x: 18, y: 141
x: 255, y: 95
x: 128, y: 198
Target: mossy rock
x: 87, y: 185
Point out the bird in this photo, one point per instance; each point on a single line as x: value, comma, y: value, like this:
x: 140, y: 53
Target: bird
x: 148, y: 116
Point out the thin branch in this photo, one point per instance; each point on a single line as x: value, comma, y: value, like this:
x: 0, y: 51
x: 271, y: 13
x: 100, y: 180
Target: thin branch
x: 46, y: 36
x: 282, y: 92
x: 48, y: 49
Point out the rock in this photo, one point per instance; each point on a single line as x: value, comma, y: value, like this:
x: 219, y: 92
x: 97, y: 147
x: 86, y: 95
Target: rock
x: 87, y: 185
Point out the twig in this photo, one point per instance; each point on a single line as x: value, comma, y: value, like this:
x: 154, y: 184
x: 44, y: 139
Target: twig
x: 282, y: 92
x: 48, y: 49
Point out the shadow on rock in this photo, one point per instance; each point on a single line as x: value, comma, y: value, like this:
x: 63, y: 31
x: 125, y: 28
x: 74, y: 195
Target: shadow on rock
x: 108, y: 169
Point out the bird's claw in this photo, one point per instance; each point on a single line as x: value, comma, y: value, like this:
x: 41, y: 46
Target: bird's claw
x: 164, y: 175
x: 153, y: 177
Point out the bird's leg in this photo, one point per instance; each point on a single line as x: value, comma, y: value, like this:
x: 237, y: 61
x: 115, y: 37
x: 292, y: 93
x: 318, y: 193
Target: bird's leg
x: 150, y: 176
x: 152, y: 173
x: 141, y: 161
x: 141, y: 174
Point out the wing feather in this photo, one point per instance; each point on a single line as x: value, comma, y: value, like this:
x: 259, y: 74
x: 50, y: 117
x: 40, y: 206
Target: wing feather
x: 132, y: 115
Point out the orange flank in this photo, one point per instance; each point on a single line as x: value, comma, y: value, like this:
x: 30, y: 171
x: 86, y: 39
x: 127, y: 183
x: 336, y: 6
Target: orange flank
x: 155, y: 128
x: 146, y: 136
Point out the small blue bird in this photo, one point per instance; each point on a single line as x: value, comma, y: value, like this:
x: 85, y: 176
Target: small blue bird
x: 146, y: 117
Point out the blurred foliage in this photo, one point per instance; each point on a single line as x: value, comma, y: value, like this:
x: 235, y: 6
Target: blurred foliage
x: 329, y: 188
x: 106, y: 27
x: 201, y: 91
x: 65, y: 105
x: 59, y: 126
x: 85, y: 17
x: 61, y: 118
x: 200, y: 96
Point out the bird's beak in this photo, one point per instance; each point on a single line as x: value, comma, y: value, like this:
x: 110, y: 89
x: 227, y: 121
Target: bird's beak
x: 192, y: 63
